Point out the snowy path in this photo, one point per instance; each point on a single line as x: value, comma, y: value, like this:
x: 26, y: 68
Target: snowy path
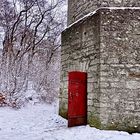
x: 41, y: 122
x: 29, y: 122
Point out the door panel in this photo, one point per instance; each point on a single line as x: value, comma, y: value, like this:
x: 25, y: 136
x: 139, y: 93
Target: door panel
x: 77, y: 98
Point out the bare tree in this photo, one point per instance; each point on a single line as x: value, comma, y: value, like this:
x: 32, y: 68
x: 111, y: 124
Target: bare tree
x: 31, y: 31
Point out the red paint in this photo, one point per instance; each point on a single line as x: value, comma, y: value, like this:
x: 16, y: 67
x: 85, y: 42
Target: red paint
x: 77, y: 98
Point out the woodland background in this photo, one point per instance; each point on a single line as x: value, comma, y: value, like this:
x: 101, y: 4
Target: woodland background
x: 30, y: 50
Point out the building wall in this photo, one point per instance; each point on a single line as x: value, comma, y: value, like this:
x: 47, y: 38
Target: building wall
x: 80, y: 52
x: 120, y: 68
x: 106, y: 46
x: 78, y: 8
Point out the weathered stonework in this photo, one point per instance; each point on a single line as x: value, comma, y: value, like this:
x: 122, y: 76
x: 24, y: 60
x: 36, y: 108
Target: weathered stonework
x: 120, y: 68
x: 79, y: 8
x: 80, y: 51
x: 106, y: 45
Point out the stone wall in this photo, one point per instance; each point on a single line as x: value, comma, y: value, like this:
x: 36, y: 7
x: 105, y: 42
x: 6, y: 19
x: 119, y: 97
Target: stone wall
x: 80, y: 52
x: 107, y: 47
x: 120, y: 68
x: 78, y: 8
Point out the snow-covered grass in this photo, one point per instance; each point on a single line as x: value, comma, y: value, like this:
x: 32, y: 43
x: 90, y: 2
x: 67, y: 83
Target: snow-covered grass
x: 41, y: 122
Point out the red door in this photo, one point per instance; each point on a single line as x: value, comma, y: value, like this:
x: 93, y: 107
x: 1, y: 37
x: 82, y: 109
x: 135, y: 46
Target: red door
x: 77, y: 98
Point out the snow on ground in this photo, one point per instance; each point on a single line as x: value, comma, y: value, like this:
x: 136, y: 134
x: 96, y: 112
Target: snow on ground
x: 41, y: 122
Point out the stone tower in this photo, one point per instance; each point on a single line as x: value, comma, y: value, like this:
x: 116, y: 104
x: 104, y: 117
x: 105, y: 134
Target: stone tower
x: 78, y: 8
x: 106, y: 45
